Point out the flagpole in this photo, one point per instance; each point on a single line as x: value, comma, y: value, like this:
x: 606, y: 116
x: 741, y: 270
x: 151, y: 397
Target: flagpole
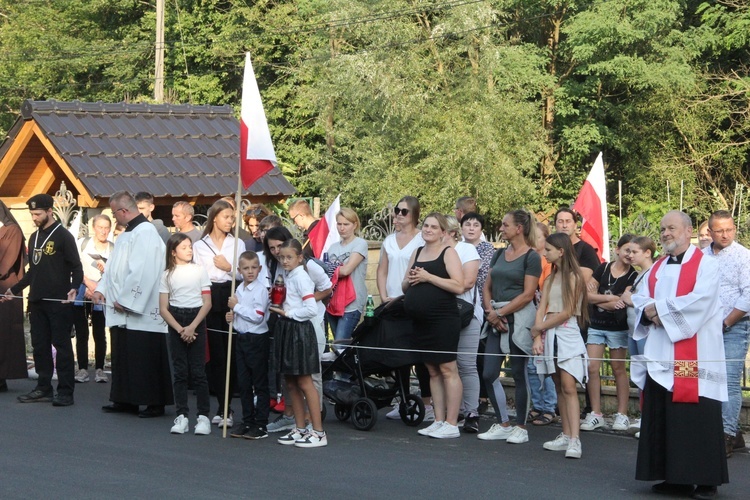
x: 238, y: 221
x: 682, y: 190
x: 619, y: 192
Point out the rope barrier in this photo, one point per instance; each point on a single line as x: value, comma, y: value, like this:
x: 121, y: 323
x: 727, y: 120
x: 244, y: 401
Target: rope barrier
x: 341, y: 347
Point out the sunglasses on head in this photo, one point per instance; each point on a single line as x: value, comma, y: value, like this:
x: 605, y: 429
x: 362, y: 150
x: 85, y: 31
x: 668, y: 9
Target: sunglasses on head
x: 402, y: 211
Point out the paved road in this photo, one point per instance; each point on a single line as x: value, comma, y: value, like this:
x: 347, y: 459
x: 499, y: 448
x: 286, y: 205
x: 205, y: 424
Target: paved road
x: 80, y: 452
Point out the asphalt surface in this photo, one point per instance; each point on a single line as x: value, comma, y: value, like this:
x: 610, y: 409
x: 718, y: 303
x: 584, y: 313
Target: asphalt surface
x: 80, y: 452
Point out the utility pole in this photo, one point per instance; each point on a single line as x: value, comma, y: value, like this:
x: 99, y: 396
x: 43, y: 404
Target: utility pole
x: 159, y: 72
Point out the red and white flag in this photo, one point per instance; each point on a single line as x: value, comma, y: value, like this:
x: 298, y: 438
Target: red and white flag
x: 257, y: 157
x: 591, y: 204
x: 325, y: 234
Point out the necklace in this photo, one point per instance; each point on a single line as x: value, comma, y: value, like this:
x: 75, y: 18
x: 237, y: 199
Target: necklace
x: 38, y: 250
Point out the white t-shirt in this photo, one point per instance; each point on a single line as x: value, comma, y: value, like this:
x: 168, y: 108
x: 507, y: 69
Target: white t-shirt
x: 185, y: 285
x: 467, y: 253
x: 398, y: 262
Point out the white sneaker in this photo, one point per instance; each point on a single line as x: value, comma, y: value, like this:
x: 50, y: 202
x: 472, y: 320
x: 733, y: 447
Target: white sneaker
x: 560, y: 443
x: 635, y: 426
x: 518, y: 436
x: 100, y: 377
x: 394, y: 414
x: 574, y: 449
x: 496, y: 433
x: 313, y: 439
x: 429, y: 430
x: 638, y: 435
x: 429, y: 414
x: 292, y: 436
x: 180, y: 425
x: 202, y: 427
x: 219, y: 419
x: 82, y: 376
x: 446, y: 431
x: 622, y: 422
x: 592, y: 422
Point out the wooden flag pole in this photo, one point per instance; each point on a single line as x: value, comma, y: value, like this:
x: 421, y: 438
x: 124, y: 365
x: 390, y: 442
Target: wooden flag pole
x: 237, y: 222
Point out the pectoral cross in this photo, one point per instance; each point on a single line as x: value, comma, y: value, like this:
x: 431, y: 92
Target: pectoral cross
x: 136, y: 292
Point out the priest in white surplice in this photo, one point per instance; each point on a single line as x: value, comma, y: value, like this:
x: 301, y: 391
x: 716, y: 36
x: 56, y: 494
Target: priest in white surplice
x: 682, y: 371
x: 130, y: 289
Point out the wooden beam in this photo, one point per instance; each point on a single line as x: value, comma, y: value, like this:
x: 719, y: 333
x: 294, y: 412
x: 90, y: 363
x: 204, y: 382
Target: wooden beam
x: 84, y: 198
x: 16, y: 149
x: 46, y: 180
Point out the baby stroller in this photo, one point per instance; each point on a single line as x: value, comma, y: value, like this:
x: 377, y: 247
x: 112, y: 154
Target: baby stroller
x: 360, y: 380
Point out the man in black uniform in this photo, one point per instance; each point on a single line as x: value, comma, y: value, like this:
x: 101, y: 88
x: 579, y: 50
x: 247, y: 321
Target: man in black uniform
x: 55, y: 273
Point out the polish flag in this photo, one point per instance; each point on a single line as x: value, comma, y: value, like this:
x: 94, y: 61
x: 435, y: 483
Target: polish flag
x: 325, y: 234
x: 257, y: 157
x: 591, y: 204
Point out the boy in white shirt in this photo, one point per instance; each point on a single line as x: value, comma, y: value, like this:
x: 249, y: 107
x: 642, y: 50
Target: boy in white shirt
x: 249, y: 315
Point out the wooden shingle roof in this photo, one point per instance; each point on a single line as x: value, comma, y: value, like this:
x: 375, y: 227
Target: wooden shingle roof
x: 171, y: 151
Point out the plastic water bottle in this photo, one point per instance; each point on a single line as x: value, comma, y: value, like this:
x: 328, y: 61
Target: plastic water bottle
x: 369, y: 310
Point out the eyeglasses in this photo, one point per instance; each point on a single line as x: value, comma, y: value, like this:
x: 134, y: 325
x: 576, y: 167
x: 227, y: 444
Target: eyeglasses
x: 402, y: 211
x: 254, y: 211
x: 294, y: 219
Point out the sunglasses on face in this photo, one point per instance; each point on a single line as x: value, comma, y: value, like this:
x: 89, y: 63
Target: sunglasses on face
x: 402, y: 211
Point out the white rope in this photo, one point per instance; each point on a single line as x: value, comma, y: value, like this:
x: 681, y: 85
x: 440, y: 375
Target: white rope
x: 341, y: 347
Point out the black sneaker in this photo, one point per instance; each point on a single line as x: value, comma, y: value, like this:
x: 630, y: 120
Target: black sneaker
x: 36, y: 396
x: 483, y: 406
x: 239, y: 433
x: 62, y: 400
x: 256, y: 433
x: 471, y: 424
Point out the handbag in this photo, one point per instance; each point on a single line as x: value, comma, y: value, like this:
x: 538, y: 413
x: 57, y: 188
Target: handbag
x: 465, y: 312
x: 466, y: 309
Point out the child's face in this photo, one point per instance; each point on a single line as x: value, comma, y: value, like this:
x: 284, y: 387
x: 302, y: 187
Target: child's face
x: 289, y: 258
x: 249, y: 269
x: 183, y: 253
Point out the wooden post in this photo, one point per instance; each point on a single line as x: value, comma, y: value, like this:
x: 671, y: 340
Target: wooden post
x: 159, y: 50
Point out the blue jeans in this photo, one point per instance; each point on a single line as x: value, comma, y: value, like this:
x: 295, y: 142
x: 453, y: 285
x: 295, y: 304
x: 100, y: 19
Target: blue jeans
x: 343, y: 326
x: 543, y: 394
x: 735, y: 348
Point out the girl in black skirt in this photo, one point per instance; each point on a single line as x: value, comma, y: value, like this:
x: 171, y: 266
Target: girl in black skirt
x: 296, y: 348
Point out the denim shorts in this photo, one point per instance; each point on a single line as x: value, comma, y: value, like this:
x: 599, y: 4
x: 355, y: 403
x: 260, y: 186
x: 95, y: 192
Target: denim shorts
x: 613, y: 340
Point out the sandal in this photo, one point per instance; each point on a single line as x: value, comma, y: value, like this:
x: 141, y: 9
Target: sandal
x: 544, y: 419
x: 533, y: 415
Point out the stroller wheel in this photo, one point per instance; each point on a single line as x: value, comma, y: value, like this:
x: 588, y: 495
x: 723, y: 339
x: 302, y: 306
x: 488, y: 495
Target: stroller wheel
x: 342, y: 411
x: 412, y: 410
x: 364, y: 414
